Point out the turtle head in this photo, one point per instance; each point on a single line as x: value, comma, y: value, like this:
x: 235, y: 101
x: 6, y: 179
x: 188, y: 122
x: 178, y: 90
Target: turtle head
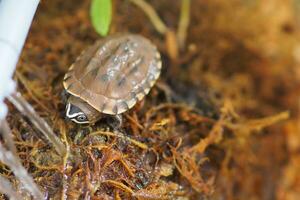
x: 76, y: 115
x: 80, y: 111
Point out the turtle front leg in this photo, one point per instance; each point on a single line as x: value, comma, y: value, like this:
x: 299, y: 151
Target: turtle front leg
x: 119, y: 120
x: 116, y: 122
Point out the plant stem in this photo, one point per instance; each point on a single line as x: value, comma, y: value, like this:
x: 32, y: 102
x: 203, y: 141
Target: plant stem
x: 184, y: 22
x: 153, y: 16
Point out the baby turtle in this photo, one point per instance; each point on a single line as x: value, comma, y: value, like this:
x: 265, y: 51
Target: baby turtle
x: 110, y: 77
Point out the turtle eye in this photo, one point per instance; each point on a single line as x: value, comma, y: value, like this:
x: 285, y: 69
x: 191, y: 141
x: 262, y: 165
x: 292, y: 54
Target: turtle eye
x: 82, y: 118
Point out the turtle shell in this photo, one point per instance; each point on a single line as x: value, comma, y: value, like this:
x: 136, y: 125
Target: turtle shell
x: 115, y: 73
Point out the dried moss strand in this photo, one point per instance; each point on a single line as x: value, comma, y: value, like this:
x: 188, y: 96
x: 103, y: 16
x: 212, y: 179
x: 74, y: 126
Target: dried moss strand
x: 130, y: 172
x: 98, y: 146
x: 188, y: 168
x: 258, y: 124
x: 153, y: 16
x: 30, y: 91
x: 119, y: 185
x: 120, y: 135
x: 131, y: 119
x: 214, y: 137
x: 152, y: 111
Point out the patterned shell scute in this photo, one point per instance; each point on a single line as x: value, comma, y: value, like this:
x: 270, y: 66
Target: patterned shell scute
x: 114, y: 73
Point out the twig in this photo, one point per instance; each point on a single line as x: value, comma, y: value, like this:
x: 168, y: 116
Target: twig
x: 153, y: 16
x: 184, y: 22
x: 20, y: 172
x: 25, y: 108
x: 7, y: 135
x: 7, y: 188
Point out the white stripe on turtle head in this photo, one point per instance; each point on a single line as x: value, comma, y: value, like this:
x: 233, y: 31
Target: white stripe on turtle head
x: 69, y: 113
x: 74, y: 113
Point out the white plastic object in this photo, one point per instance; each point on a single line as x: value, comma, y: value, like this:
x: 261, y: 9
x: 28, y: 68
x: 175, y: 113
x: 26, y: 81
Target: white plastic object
x: 15, y: 20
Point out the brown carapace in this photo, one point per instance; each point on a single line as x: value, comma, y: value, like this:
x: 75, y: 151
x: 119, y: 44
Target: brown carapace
x: 110, y: 77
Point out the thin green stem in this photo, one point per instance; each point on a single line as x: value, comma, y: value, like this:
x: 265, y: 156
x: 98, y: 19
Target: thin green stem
x: 153, y: 16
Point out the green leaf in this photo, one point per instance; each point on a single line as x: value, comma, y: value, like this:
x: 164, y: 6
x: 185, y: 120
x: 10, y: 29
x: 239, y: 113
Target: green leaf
x: 101, y: 15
